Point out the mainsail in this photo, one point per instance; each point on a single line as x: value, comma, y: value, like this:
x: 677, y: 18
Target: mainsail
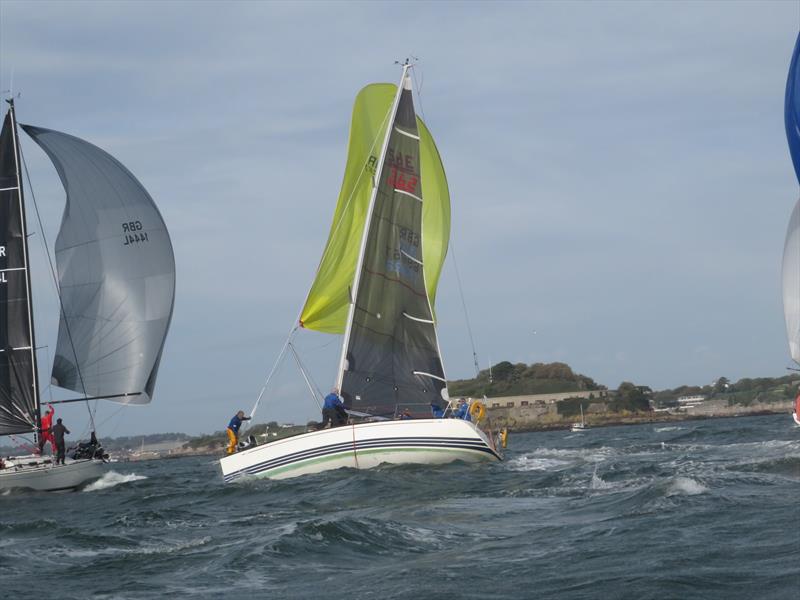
x: 116, y: 272
x: 391, y: 354
x: 19, y: 396
x: 326, y: 307
x: 791, y: 249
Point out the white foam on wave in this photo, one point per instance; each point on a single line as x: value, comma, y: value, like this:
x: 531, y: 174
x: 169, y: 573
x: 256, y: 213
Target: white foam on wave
x: 598, y: 483
x: 685, y: 486
x: 671, y: 428
x: 111, y: 479
x: 525, y: 463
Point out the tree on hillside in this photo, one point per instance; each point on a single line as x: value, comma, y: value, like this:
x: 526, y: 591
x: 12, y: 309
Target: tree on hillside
x: 631, y: 397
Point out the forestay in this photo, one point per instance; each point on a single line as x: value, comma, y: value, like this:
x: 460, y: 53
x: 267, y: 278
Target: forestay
x: 392, y: 356
x: 18, y: 391
x: 116, y: 272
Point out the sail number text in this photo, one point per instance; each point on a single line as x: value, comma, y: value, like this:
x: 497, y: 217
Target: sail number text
x: 401, y: 171
x: 133, y: 233
x: 3, y: 273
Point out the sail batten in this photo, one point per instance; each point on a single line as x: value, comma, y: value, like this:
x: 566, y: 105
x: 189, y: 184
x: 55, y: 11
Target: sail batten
x: 116, y: 274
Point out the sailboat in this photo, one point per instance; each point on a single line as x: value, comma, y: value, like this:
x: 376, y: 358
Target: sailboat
x: 116, y: 285
x: 376, y: 285
x: 582, y: 426
x: 791, y: 248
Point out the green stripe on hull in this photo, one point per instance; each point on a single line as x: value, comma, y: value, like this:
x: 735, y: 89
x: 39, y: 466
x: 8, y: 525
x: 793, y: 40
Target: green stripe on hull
x: 321, y: 459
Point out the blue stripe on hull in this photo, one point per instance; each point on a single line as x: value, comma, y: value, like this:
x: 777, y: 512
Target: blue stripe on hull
x: 474, y: 444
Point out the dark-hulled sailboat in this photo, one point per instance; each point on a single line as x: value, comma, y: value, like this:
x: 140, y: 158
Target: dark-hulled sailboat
x: 375, y: 284
x: 116, y: 283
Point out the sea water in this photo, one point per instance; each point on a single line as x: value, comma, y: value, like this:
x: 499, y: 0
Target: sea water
x: 700, y: 509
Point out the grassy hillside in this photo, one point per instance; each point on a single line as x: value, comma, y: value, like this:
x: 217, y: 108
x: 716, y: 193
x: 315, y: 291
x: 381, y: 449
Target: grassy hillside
x: 507, y: 379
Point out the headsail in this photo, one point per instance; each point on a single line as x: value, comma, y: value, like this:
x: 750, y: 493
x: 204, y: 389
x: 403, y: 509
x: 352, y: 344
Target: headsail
x: 326, y: 307
x: 116, y: 272
x: 19, y: 402
x: 791, y: 249
x: 391, y: 350
x: 791, y: 283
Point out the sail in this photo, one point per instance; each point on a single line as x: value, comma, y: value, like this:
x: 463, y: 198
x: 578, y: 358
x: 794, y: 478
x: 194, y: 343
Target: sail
x: 391, y: 354
x: 791, y: 249
x: 326, y: 307
x: 18, y: 392
x: 116, y: 273
x: 792, y: 109
x: 791, y: 283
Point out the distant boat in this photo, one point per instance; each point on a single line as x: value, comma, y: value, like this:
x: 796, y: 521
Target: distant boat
x: 791, y: 249
x: 116, y: 285
x: 582, y: 426
x: 376, y: 284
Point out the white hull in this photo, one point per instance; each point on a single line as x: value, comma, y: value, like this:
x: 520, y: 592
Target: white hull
x: 363, y: 446
x: 576, y: 427
x: 796, y: 418
x: 35, y: 473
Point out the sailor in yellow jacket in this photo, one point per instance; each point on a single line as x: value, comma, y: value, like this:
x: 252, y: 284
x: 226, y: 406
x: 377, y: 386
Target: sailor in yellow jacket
x: 233, y: 430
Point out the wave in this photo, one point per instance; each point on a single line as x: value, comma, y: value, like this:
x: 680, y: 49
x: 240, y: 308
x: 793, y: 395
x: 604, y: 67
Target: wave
x: 525, y: 463
x: 684, y: 486
x: 112, y: 479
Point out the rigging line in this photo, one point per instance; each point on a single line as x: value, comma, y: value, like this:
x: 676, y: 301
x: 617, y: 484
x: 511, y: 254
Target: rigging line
x: 275, y: 365
x: 464, y: 306
x: 305, y: 376
x: 114, y: 414
x: 55, y: 282
x: 418, y: 86
x: 310, y: 377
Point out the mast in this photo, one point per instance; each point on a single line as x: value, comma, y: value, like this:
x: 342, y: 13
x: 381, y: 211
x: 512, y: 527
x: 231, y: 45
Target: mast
x: 26, y: 265
x: 365, y: 234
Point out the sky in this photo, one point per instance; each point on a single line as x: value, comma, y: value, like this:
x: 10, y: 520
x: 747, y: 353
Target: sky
x: 619, y: 177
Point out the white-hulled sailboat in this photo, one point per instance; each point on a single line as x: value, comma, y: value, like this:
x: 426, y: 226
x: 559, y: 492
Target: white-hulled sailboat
x: 116, y: 285
x: 579, y: 426
x: 376, y: 284
x: 791, y: 249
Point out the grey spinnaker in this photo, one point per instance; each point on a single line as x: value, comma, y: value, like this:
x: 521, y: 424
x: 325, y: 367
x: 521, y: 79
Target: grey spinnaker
x: 392, y: 357
x: 116, y: 272
x: 19, y: 406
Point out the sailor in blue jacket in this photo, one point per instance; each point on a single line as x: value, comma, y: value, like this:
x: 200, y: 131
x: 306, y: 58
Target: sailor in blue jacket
x: 462, y: 412
x: 233, y: 430
x: 437, y: 412
x: 333, y: 411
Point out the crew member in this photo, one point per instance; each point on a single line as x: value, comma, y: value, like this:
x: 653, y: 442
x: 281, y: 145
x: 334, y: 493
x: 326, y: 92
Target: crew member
x: 46, y: 435
x: 233, y: 430
x: 405, y: 415
x: 333, y: 411
x: 58, y: 435
x: 462, y: 411
x: 437, y: 411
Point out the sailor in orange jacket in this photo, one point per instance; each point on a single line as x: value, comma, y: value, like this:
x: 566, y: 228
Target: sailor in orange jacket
x: 46, y: 434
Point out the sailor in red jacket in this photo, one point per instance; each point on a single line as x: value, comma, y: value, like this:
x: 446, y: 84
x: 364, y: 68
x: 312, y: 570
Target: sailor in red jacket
x: 46, y: 435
